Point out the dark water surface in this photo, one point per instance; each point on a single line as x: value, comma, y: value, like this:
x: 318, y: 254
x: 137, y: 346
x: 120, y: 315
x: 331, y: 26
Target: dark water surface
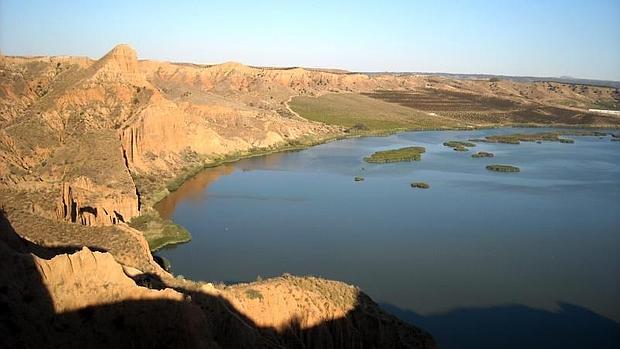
x: 481, y: 259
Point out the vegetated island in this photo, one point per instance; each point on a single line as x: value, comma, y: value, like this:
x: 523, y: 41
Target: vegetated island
x: 503, y: 168
x: 482, y: 154
x: 420, y: 185
x: 459, y: 145
x: 557, y: 136
x: 396, y: 155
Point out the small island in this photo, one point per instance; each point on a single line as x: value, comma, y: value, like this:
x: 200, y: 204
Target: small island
x: 566, y: 140
x: 358, y: 178
x: 483, y: 154
x: 459, y: 145
x: 396, y: 155
x: 503, y: 168
x: 517, y: 138
x: 420, y: 185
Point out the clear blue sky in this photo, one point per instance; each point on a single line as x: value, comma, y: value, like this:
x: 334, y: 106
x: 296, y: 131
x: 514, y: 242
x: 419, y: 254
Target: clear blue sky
x: 527, y: 37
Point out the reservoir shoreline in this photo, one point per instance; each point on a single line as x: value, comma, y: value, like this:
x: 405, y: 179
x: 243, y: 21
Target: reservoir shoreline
x: 182, y: 178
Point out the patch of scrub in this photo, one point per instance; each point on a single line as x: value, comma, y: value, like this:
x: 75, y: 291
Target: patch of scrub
x: 420, y: 185
x: 482, y: 154
x: 396, y: 155
x: 503, y: 168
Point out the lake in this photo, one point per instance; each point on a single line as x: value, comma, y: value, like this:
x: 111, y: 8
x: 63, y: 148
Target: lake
x: 481, y: 259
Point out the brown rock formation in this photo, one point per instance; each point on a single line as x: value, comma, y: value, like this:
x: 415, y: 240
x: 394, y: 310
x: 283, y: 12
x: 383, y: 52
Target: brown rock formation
x: 118, y: 65
x: 81, y: 203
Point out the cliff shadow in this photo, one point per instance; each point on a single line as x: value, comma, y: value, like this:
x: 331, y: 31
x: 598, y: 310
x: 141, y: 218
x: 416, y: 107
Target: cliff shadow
x: 28, y: 318
x: 516, y: 326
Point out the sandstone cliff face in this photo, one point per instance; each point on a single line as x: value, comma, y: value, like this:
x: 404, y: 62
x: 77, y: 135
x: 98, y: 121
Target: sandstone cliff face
x: 84, y: 299
x: 81, y: 203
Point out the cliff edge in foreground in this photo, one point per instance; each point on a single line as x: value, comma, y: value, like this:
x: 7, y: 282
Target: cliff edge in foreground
x: 87, y: 299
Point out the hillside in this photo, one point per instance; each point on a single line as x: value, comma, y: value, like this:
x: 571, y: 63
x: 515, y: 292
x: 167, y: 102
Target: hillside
x: 87, y: 147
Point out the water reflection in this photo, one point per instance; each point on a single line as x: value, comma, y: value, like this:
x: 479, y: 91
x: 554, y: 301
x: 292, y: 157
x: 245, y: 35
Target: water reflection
x: 193, y: 189
x: 196, y: 187
x: 516, y: 326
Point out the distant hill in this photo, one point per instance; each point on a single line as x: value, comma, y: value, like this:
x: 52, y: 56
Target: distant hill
x: 562, y: 79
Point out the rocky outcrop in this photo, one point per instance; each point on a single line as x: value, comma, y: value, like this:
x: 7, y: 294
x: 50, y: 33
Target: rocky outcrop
x: 85, y: 299
x: 118, y: 65
x: 78, y: 280
x: 81, y: 203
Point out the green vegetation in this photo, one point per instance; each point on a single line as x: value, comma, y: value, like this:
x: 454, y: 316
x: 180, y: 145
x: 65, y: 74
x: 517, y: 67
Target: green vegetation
x: 253, y: 294
x: 483, y: 154
x: 365, y: 115
x: 460, y: 148
x: 503, y: 168
x: 517, y: 138
x: 459, y: 145
x: 358, y: 178
x: 159, y: 232
x: 396, y: 155
x: 453, y: 144
x: 420, y: 185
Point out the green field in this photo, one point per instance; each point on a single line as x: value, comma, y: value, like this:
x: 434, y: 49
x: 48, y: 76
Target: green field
x: 362, y: 114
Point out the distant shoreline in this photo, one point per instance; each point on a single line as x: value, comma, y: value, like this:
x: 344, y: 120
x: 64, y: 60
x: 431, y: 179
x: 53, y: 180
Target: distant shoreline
x: 233, y: 159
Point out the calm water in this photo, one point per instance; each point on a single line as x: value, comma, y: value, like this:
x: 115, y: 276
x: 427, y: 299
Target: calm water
x: 537, y: 247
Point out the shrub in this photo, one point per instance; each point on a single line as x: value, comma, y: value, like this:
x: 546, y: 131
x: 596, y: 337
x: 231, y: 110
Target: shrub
x: 482, y: 154
x: 253, y: 294
x: 503, y: 168
x: 396, y: 155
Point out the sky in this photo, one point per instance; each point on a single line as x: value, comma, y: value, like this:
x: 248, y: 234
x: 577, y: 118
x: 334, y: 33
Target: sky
x: 526, y: 37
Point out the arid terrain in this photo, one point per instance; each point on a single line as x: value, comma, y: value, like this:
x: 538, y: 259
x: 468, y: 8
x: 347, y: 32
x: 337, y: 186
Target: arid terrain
x: 87, y: 147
